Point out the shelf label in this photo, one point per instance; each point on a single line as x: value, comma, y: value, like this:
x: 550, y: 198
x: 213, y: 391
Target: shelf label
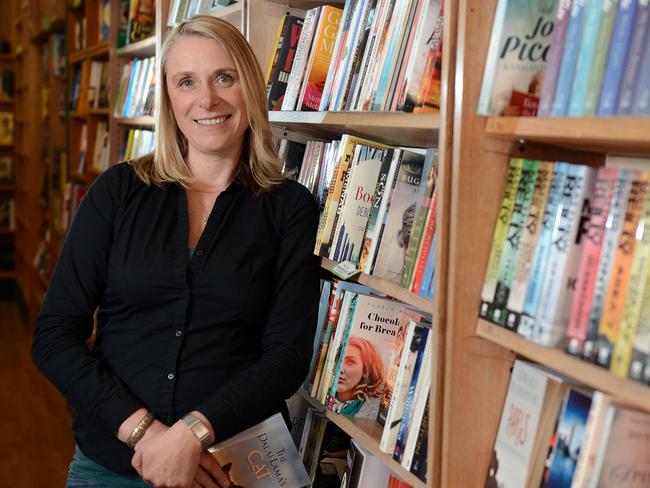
x: 345, y: 270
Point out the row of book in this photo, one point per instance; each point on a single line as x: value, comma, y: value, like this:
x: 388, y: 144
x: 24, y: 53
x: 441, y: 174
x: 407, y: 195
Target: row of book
x: 377, y: 204
x: 137, y: 21
x: 135, y: 95
x: 7, y: 213
x: 373, y: 359
x: 6, y: 84
x: 182, y: 10
x: 374, y: 55
x: 568, y: 58
x: 137, y: 142
x: 6, y: 170
x: 89, y: 87
x: 555, y: 433
x: 570, y: 259
x: 6, y: 128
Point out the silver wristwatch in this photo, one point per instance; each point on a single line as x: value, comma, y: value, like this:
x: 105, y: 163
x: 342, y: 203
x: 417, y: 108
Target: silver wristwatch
x: 199, y: 429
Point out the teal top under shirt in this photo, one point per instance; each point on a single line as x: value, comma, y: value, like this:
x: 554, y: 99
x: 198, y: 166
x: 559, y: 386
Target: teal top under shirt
x: 87, y: 469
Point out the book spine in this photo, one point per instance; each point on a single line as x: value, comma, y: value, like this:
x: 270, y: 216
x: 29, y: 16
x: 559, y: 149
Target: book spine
x: 286, y: 55
x: 538, y: 268
x: 341, y: 348
x: 604, y: 187
x: 613, y: 229
x: 622, y: 355
x: 641, y: 96
x: 426, y: 247
x: 353, y: 158
x: 498, y: 238
x: 348, y: 9
x: 332, y: 320
x: 608, y: 330
x: 569, y: 58
x: 528, y: 243
x: 564, y: 257
x: 616, y: 57
x: 280, y: 36
x: 590, y: 441
x: 610, y: 7
x: 640, y: 362
x: 512, y: 241
x: 586, y: 56
x: 558, y: 40
x: 638, y: 44
x: 489, y: 73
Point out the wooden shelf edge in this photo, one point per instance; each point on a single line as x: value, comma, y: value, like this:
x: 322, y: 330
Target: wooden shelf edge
x: 366, y: 432
x: 7, y: 101
x: 98, y: 50
x: 630, y: 392
x: 225, y: 12
x: 99, y: 111
x: 145, y: 47
x: 137, y: 122
x: 5, y: 275
x: 402, y: 120
x: 388, y: 287
x: 626, y: 134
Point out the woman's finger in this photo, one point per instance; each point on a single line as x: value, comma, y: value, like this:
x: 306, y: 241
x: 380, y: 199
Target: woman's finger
x: 204, y: 479
x: 212, y: 467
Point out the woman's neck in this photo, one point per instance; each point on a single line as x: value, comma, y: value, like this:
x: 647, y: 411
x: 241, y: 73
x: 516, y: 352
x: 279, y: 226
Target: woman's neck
x: 211, y: 174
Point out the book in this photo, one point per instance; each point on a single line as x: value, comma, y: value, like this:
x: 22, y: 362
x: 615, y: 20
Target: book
x: 638, y: 43
x: 641, y: 97
x: 519, y: 44
x: 640, y: 361
x: 364, y: 468
x: 282, y: 61
x: 6, y: 128
x: 262, y: 456
x: 6, y: 170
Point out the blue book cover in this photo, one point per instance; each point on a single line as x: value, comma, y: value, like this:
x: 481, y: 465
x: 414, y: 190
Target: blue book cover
x: 570, y: 434
x: 593, y: 14
x: 538, y: 269
x: 323, y: 309
x: 633, y: 63
x: 135, y: 70
x: 616, y: 57
x: 429, y: 270
x: 569, y: 58
x: 641, y: 96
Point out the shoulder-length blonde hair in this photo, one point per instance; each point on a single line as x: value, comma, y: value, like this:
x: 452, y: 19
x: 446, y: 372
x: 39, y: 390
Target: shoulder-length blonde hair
x: 166, y: 164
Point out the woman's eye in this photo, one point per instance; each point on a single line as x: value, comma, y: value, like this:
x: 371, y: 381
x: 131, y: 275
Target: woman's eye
x: 224, y: 79
x: 185, y: 83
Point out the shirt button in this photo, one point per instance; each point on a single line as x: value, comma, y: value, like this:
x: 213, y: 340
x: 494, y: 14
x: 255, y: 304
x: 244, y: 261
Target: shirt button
x: 169, y: 419
x: 199, y: 252
x: 179, y: 333
x: 170, y: 376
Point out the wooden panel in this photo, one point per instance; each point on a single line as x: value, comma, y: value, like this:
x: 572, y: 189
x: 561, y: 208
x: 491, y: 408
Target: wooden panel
x: 628, y: 391
x: 140, y: 49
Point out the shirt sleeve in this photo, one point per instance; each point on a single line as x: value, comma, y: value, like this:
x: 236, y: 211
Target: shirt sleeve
x: 287, y: 340
x: 65, y: 321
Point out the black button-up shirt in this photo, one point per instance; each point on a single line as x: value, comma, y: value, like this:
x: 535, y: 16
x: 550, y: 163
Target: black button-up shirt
x: 228, y: 334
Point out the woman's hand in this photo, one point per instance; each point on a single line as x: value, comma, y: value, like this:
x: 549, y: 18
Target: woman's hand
x: 210, y: 474
x: 170, y: 458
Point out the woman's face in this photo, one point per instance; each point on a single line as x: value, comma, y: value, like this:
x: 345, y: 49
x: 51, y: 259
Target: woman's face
x: 206, y: 97
x: 351, y: 374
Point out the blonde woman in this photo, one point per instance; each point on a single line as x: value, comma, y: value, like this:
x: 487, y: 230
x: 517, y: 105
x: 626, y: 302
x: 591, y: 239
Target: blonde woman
x: 199, y: 261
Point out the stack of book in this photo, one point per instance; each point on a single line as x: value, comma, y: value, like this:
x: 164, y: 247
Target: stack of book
x: 137, y: 21
x: 135, y: 96
x: 182, y: 10
x: 556, y: 433
x: 377, y: 206
x: 568, y: 58
x: 569, y: 261
x: 137, y: 142
x: 98, y: 85
x: 374, y: 55
x: 373, y: 359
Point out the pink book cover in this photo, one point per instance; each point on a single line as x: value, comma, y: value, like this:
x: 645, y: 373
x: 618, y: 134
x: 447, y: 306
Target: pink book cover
x: 581, y: 306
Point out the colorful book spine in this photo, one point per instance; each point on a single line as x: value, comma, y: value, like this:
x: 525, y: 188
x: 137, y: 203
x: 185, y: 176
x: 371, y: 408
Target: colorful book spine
x: 569, y: 59
x: 499, y: 236
x: 606, y: 182
x: 568, y: 239
x: 490, y: 70
x: 640, y: 363
x: 586, y: 55
x: 511, y: 244
x: 609, y: 328
x: 554, y: 57
x: 285, y: 54
x: 427, y: 247
x: 618, y: 47
x: 638, y: 43
x: 613, y: 229
x: 427, y: 289
x: 608, y: 17
x: 641, y: 105
x: 538, y: 269
x: 622, y: 355
x: 528, y: 243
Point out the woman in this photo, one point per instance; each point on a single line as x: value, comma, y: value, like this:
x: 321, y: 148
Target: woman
x: 200, y: 261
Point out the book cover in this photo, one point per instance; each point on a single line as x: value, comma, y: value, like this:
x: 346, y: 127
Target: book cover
x: 538, y: 269
x: 527, y: 421
x: 142, y: 25
x: 604, y: 187
x: 394, y: 239
x: 498, y: 237
x: 640, y: 362
x: 521, y: 35
x: 512, y: 241
x: 283, y: 60
x: 641, y: 97
x: 568, y: 239
x: 626, y: 463
x: 6, y: 128
x: 609, y: 328
x: 531, y: 231
x: 428, y: 99
x: 558, y: 38
x: 324, y: 305
x: 569, y: 438
x: 638, y: 42
x: 419, y: 462
x: 616, y: 57
x: 427, y: 248
x: 365, y: 469
x: 587, y: 53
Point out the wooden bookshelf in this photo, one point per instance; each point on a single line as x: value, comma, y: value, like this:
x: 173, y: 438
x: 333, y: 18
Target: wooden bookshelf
x: 388, y: 287
x: 306, y: 4
x: 7, y: 101
x: 398, y: 128
x: 140, y: 49
x: 598, y: 134
x: 366, y: 432
x: 7, y: 57
x: 630, y: 392
x: 145, y: 122
x: 98, y: 51
x: 99, y: 111
x: 7, y: 275
x: 7, y: 187
x: 7, y: 232
x: 231, y: 13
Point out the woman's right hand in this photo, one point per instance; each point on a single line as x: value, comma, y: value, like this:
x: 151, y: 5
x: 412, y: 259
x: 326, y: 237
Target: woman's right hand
x: 210, y: 474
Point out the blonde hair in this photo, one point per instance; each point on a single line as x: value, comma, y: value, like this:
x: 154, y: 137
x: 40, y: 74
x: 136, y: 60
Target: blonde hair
x: 166, y: 164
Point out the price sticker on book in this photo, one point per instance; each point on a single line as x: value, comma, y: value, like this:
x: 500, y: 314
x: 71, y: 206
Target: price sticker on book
x: 345, y: 270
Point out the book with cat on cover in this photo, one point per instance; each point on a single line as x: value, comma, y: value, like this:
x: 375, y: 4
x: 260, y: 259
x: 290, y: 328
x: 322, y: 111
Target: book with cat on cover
x: 517, y: 54
x: 263, y: 456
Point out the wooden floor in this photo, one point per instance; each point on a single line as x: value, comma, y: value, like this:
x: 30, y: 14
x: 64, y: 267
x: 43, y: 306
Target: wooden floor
x: 36, y: 442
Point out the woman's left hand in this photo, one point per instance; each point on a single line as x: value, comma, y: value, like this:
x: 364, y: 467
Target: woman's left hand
x: 169, y: 459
